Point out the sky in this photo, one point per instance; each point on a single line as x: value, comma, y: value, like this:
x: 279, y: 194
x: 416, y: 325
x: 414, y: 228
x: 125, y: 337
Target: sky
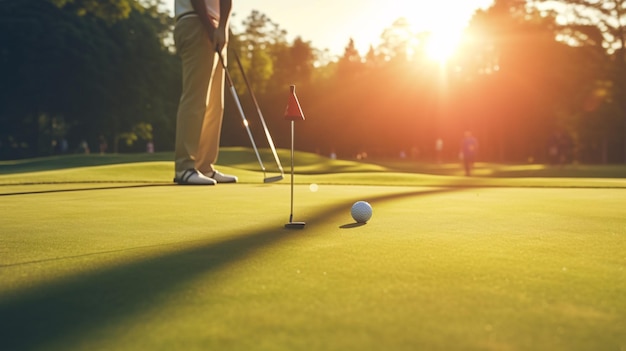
x: 330, y: 24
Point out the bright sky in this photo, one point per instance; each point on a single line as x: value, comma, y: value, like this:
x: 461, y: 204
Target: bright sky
x: 329, y: 24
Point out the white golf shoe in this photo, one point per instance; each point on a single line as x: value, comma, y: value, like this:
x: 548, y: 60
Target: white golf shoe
x: 192, y: 176
x: 221, y: 177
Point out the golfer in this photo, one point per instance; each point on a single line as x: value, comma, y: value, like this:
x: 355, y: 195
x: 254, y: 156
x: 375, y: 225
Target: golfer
x: 201, y: 32
x: 469, y: 147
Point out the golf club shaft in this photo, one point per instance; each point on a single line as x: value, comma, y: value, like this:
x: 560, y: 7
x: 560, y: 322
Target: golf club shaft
x: 258, y: 109
x: 233, y: 92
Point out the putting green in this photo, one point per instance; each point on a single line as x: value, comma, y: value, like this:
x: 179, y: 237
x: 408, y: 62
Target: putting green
x: 120, y: 265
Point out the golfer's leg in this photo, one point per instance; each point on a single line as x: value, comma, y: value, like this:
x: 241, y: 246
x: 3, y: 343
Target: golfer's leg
x: 209, y: 144
x: 192, y: 45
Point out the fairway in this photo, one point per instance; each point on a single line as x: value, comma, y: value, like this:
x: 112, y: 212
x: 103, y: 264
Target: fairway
x: 127, y: 261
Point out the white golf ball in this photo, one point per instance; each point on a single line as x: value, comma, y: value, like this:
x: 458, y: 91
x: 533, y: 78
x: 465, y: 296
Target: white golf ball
x: 361, y: 211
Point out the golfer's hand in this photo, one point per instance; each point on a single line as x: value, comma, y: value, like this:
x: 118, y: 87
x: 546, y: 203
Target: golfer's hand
x: 219, y: 39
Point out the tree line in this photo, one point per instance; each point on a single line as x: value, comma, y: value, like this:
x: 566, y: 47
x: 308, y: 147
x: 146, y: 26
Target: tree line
x: 528, y: 82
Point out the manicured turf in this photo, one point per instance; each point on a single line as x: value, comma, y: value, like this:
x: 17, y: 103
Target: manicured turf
x: 114, y: 257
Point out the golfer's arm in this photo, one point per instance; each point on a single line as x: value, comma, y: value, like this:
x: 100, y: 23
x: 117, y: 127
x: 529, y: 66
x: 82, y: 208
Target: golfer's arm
x: 221, y: 35
x: 200, y: 9
x: 226, y: 7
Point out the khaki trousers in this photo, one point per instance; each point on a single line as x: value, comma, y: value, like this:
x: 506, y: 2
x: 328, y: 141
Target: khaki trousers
x: 201, y: 106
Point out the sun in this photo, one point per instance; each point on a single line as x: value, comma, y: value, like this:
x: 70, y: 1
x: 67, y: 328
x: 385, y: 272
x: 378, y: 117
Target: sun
x: 441, y: 45
x: 444, y: 26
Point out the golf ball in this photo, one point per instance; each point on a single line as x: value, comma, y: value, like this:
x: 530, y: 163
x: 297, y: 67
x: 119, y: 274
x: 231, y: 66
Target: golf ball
x: 361, y: 211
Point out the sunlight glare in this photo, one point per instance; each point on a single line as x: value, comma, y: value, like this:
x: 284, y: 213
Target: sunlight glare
x: 446, y: 22
x: 442, y: 45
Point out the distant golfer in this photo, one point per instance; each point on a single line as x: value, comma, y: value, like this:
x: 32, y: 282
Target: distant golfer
x: 201, y: 32
x: 469, y: 147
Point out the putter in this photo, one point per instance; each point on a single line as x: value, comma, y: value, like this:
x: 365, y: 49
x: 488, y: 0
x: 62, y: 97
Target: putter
x: 270, y: 141
x: 233, y: 92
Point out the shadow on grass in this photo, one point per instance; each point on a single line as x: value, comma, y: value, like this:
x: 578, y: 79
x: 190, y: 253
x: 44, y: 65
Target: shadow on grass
x: 68, y: 310
x: 352, y: 225
x: 86, y: 188
x: 78, y: 160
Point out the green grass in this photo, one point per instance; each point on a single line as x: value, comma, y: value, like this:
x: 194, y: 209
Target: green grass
x: 111, y: 257
x: 157, y: 168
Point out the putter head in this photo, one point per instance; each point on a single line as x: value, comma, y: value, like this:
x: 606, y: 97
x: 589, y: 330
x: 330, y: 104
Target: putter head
x: 273, y: 179
x: 295, y: 225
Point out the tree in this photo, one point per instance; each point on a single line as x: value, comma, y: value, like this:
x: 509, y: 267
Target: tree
x: 257, y: 44
x: 77, y: 76
x: 599, y: 25
x: 43, y: 65
x: 110, y: 11
x: 396, y: 41
x: 350, y: 64
x: 526, y: 78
